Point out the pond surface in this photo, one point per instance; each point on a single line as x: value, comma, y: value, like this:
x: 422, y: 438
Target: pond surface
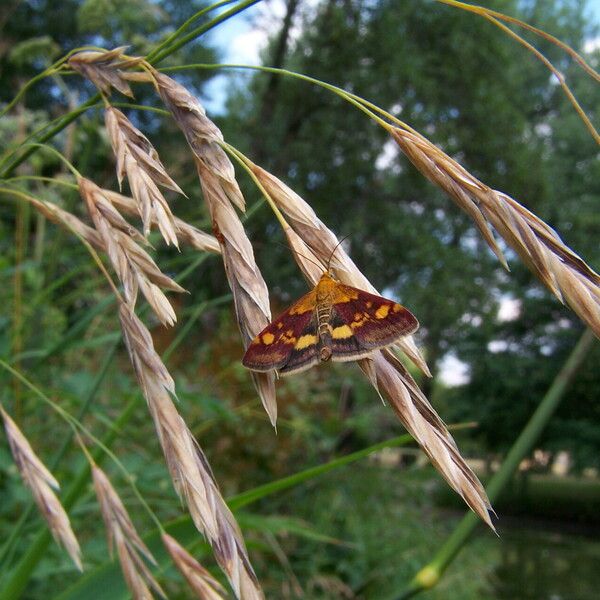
x: 541, y: 564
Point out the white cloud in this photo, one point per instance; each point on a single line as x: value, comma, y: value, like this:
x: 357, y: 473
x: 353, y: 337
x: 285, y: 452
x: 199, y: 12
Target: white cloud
x: 591, y: 45
x: 453, y: 371
x: 387, y: 156
x: 510, y: 309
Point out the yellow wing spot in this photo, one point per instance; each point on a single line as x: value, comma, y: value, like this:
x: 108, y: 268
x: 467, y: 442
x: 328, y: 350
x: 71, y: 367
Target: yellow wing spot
x: 279, y: 325
x: 304, y: 341
x: 359, y: 320
x: 397, y: 308
x: 382, y: 311
x: 268, y: 338
x: 369, y: 304
x: 287, y: 337
x: 341, y: 332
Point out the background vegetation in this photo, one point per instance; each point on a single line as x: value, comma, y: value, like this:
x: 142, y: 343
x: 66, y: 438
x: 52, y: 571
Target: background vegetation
x: 364, y: 530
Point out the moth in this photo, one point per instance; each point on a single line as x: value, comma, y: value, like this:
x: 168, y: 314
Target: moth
x: 332, y: 322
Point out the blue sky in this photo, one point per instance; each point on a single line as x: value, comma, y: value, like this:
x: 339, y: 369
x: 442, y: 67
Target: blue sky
x: 239, y: 40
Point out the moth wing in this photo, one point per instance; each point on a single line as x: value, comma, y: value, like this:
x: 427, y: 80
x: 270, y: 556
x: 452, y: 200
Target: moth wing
x: 305, y: 352
x: 289, y: 343
x: 362, y: 322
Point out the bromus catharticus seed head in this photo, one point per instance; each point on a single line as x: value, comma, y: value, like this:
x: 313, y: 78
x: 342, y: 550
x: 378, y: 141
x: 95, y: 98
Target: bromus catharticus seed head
x: 186, y: 233
x: 204, y: 585
x: 137, y: 158
x: 188, y: 467
x: 123, y: 536
x: 560, y: 269
x: 41, y: 483
x: 108, y: 69
x: 134, y: 266
x: 222, y: 193
x: 383, y: 369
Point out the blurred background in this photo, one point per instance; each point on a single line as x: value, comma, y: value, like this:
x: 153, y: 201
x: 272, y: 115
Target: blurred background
x: 494, y: 340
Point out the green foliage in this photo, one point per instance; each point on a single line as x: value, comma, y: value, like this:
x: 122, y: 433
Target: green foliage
x: 131, y: 17
x: 494, y: 108
x: 37, y: 52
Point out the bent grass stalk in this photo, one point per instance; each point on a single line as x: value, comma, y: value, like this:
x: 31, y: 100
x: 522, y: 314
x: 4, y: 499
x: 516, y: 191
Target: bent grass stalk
x: 486, y: 12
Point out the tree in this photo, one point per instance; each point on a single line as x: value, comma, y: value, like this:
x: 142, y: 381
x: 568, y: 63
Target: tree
x: 486, y: 103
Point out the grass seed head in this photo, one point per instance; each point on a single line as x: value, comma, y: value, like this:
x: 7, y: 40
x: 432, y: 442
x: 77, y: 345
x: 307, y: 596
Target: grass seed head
x: 137, y: 158
x: 386, y: 373
x: 188, y: 467
x: 186, y: 233
x: 203, y: 584
x: 68, y: 220
x: 40, y: 481
x: 250, y: 293
x: 106, y: 69
x: 560, y: 269
x: 134, y: 266
x: 122, y: 534
x: 202, y: 135
x: 397, y: 386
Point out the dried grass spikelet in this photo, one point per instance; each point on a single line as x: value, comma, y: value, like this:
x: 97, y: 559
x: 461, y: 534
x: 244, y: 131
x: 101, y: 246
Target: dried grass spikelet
x: 122, y: 534
x: 202, y: 135
x: 322, y: 242
x: 40, y: 481
x: 137, y: 158
x: 134, y: 266
x: 186, y: 233
x: 188, y: 467
x: 310, y: 241
x: 66, y: 219
x: 221, y: 192
x: 106, y: 69
x: 395, y: 383
x: 203, y: 584
x: 250, y: 293
x: 562, y: 271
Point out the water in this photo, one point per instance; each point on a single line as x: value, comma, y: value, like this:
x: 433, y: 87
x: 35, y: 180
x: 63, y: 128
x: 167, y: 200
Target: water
x: 538, y: 564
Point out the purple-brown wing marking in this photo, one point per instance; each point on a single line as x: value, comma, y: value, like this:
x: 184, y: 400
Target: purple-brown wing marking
x: 364, y: 322
x: 289, y: 343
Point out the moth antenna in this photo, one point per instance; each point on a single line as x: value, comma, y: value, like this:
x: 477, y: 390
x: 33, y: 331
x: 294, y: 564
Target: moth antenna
x: 334, y: 249
x: 314, y: 262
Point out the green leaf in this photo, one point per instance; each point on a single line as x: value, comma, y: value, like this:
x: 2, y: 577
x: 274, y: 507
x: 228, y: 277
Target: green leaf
x: 284, y: 524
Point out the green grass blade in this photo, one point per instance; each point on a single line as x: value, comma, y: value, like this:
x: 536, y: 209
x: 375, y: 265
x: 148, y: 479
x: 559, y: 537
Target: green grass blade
x: 106, y: 582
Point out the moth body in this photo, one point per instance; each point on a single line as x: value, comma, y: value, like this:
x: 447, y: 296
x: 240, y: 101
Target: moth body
x: 332, y: 322
x: 324, y: 294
